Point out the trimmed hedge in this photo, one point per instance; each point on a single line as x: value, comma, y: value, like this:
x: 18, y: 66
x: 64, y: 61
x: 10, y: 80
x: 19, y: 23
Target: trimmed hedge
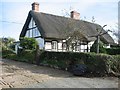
x: 96, y: 63
x: 116, y: 64
x: 113, y: 51
x: 27, y: 56
x: 24, y: 56
x: 7, y: 53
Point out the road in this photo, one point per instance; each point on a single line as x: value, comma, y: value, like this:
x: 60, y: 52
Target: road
x: 16, y: 74
x: 78, y: 82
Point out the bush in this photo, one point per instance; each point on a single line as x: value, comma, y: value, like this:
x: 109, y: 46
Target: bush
x: 28, y: 43
x: 101, y: 48
x: 12, y: 47
x: 5, y: 43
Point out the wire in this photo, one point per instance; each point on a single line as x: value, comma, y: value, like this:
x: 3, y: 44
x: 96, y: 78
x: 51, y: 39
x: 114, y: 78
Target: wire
x: 11, y: 22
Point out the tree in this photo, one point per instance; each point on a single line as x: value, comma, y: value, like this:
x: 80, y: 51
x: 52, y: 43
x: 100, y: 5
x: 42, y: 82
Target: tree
x: 74, y: 39
x: 72, y: 33
x: 101, y: 48
x: 6, y: 42
x: 99, y: 34
x: 28, y: 43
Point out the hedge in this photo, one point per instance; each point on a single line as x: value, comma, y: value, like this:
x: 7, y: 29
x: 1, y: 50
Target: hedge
x: 24, y: 56
x: 27, y: 56
x: 96, y: 63
x: 7, y: 53
x: 113, y: 51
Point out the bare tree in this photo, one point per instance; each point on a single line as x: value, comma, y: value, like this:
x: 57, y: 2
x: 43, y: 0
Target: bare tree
x: 72, y: 33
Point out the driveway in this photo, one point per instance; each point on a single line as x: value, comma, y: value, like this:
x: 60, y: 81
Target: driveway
x: 16, y: 74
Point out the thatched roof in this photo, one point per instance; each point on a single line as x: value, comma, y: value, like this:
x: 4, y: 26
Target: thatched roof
x: 58, y: 27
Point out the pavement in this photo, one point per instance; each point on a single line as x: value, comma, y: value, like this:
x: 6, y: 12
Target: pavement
x: 14, y: 74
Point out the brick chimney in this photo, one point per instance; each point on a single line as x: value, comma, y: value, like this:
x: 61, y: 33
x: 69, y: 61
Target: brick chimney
x: 75, y: 15
x: 35, y: 6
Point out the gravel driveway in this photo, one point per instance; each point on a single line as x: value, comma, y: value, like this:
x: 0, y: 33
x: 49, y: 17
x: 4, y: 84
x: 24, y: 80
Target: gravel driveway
x: 23, y: 75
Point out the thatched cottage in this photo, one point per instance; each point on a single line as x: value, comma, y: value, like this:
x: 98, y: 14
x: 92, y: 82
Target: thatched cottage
x: 58, y: 33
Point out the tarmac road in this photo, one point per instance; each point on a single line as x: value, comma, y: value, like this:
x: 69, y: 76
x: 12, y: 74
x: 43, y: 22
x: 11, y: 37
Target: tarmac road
x: 77, y: 82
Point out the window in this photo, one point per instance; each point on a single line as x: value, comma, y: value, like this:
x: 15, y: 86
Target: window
x: 36, y: 32
x: 33, y: 30
x: 47, y: 45
x: 40, y: 42
x: 54, y: 45
x: 60, y: 45
x: 31, y: 34
x: 31, y: 24
x: 64, y: 46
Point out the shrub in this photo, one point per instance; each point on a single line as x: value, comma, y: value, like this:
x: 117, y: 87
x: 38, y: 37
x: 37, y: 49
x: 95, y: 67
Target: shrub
x: 28, y: 43
x: 101, y: 48
x: 96, y: 63
x: 5, y: 43
x: 12, y: 47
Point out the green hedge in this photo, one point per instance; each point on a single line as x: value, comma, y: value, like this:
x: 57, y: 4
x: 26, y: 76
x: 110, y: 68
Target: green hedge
x: 27, y: 56
x: 96, y: 63
x: 116, y: 64
x: 24, y: 56
x: 7, y: 53
x: 113, y: 51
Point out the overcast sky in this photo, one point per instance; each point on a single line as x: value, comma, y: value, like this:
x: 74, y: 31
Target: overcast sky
x: 14, y: 12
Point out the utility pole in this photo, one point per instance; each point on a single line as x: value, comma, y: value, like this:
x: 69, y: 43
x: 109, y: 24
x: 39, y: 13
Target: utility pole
x: 98, y: 40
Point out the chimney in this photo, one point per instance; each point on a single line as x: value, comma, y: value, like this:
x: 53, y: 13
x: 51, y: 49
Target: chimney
x: 75, y: 15
x: 35, y: 6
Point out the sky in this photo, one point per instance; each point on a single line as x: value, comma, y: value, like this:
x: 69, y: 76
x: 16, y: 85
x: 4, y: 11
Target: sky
x: 15, y: 12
